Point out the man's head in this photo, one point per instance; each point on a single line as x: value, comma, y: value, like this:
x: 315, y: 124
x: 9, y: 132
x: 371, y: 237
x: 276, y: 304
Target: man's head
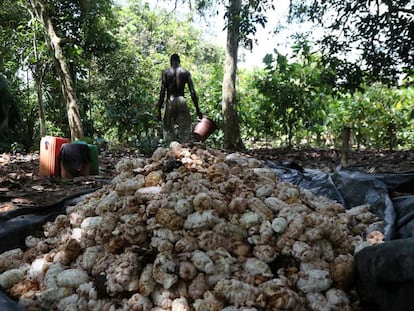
x: 175, y: 59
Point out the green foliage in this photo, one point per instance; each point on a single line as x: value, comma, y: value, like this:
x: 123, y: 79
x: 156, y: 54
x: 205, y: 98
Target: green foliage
x: 292, y: 95
x: 255, y: 109
x: 379, y: 32
x: 300, y: 102
x: 16, y: 147
x: 84, y: 29
x: 10, y: 114
x: 12, y: 20
x: 378, y: 116
x: 207, y: 73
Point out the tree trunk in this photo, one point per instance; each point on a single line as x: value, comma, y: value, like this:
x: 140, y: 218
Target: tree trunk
x: 42, y: 120
x: 346, y: 136
x: 392, y: 136
x: 68, y: 89
x: 231, y: 126
x: 5, y: 104
x: 38, y: 74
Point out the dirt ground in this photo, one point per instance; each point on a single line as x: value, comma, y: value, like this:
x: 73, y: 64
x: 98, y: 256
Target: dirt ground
x: 21, y: 185
x: 327, y: 160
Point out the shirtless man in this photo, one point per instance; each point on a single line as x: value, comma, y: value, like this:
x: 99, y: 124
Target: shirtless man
x: 176, y: 113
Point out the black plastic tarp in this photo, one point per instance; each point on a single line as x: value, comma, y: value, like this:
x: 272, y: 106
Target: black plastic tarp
x: 404, y: 210
x: 353, y: 188
x: 7, y: 304
x: 360, y: 188
x: 385, y: 275
x: 317, y: 182
x: 17, y: 224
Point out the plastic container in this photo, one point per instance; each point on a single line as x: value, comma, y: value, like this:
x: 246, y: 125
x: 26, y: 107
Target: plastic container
x: 49, y: 155
x: 204, y: 128
x: 94, y: 167
x: 75, y: 160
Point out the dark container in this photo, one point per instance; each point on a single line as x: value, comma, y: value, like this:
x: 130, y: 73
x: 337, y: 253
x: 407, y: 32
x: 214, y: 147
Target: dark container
x: 204, y: 128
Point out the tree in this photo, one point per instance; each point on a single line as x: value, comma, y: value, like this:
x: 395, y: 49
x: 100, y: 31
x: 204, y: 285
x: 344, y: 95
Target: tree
x: 5, y: 105
x: 75, y: 32
x: 380, y: 32
x: 62, y: 68
x: 25, y: 52
x: 231, y: 125
x: 38, y: 65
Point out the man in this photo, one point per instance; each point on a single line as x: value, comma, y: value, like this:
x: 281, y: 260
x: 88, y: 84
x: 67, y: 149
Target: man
x: 173, y: 82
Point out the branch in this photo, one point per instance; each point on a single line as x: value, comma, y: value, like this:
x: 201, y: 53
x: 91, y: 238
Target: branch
x: 404, y: 10
x: 394, y: 8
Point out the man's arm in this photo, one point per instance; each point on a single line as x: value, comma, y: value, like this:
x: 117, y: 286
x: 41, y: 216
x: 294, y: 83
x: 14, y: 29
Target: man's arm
x: 194, y: 96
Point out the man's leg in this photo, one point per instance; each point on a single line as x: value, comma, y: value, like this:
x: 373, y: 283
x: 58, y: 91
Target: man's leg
x: 183, y: 121
x: 168, y: 123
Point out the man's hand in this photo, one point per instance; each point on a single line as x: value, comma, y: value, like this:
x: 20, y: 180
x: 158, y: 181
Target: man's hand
x: 199, y: 114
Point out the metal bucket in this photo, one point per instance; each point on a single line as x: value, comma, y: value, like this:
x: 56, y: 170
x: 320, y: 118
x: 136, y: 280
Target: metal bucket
x: 204, y: 128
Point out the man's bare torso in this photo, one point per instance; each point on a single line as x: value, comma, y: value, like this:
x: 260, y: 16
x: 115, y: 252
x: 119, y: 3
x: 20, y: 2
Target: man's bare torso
x: 174, y: 80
